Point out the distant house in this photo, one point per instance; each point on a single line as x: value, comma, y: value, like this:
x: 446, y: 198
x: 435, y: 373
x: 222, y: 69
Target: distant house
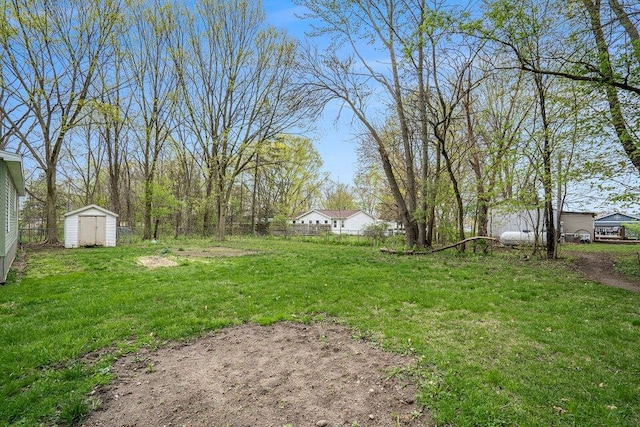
x: 612, y: 226
x: 11, y: 187
x: 336, y: 221
x: 90, y: 226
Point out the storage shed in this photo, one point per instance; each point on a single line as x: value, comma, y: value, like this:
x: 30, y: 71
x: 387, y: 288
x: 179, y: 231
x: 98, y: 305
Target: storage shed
x: 11, y: 187
x: 90, y: 226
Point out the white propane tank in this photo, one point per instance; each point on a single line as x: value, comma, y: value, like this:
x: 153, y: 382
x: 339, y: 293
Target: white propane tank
x: 525, y: 237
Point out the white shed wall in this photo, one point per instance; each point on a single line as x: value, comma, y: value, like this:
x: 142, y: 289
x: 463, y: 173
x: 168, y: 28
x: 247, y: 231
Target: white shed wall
x: 71, y: 231
x: 111, y: 231
x: 515, y: 221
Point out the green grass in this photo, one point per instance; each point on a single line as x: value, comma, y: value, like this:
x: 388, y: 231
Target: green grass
x: 500, y: 340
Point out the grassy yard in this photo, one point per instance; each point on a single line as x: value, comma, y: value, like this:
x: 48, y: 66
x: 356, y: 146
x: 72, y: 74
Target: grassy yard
x: 501, y: 340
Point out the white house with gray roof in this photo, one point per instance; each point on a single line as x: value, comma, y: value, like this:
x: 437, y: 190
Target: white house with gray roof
x: 336, y: 221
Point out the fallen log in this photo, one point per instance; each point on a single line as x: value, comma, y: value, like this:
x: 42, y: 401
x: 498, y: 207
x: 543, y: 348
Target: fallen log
x: 411, y: 252
x: 462, y: 242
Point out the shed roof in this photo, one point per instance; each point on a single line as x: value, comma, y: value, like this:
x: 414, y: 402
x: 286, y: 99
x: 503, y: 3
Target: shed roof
x: 14, y: 166
x: 86, y: 208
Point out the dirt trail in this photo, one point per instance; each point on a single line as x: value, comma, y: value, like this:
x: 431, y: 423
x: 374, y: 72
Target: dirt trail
x: 599, y: 267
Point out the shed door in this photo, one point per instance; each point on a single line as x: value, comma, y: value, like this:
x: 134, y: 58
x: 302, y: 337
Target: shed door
x: 92, y: 230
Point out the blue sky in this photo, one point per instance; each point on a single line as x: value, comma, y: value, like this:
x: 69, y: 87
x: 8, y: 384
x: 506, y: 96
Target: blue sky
x: 333, y: 140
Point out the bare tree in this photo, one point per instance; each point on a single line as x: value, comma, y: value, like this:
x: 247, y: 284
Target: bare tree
x: 236, y: 75
x: 354, y: 79
x: 153, y: 85
x: 419, y: 84
x: 50, y: 53
x: 112, y: 112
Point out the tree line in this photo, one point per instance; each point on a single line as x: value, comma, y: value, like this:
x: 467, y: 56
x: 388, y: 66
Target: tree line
x: 186, y: 117
x: 161, y: 112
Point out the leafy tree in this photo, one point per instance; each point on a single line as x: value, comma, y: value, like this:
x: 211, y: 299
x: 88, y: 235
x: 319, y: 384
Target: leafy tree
x: 287, y: 178
x: 596, y: 44
x: 368, y: 188
x: 527, y: 32
x: 338, y: 197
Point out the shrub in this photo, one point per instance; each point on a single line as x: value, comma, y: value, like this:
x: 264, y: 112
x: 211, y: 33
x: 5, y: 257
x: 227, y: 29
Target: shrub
x: 375, y: 231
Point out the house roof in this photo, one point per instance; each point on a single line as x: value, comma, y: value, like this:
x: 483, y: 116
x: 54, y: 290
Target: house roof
x: 617, y: 217
x: 332, y: 214
x: 86, y: 208
x: 14, y: 166
x: 338, y: 214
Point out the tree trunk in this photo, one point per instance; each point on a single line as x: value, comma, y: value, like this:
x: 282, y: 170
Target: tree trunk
x: 457, y: 193
x: 410, y: 200
x: 221, y: 214
x: 148, y: 195
x: 410, y: 228
x: 50, y: 206
x: 155, y: 229
x: 254, y: 196
x: 629, y: 143
x: 547, y: 177
x: 629, y: 27
x: 424, y: 137
x: 482, y: 198
x: 207, y: 230
x: 431, y: 218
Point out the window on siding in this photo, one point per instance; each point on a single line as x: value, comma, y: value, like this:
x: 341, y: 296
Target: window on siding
x: 10, y: 205
x: 14, y: 208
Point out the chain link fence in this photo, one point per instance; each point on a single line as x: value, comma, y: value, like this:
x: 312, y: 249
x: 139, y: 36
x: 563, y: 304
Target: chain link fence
x: 298, y: 232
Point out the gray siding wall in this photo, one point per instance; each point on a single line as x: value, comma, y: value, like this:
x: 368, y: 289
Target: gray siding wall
x: 8, y: 221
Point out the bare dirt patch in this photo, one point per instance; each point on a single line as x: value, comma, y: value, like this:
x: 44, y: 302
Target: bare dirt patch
x: 599, y: 267
x: 156, y: 262
x: 282, y: 375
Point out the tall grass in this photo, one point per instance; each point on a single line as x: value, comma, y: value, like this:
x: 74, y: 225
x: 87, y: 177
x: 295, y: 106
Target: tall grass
x: 500, y: 340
